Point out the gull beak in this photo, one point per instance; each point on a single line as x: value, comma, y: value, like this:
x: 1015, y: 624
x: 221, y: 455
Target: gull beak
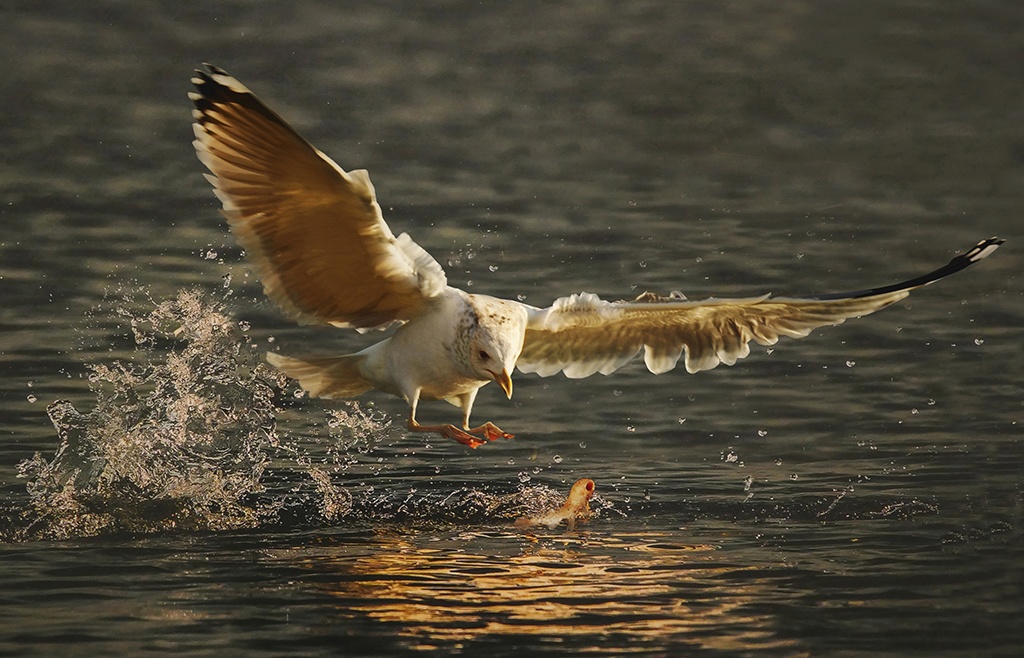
x: 504, y: 381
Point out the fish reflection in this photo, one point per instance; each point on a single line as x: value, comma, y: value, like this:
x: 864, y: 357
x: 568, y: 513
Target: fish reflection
x: 581, y: 589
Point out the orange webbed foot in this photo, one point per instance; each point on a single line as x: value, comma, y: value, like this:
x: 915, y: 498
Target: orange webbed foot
x: 450, y: 432
x: 465, y: 438
x: 491, y: 432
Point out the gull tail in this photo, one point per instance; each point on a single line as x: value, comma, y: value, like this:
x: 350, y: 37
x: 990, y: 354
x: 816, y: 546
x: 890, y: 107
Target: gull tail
x: 325, y: 377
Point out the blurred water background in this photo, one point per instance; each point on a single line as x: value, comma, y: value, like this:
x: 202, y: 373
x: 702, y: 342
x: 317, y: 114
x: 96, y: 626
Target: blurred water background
x: 854, y: 492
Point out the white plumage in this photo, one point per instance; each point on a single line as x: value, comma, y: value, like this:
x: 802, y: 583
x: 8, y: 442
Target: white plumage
x: 317, y: 238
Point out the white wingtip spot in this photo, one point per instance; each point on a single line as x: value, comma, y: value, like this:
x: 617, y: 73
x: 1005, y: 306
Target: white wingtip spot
x: 229, y: 82
x: 983, y: 249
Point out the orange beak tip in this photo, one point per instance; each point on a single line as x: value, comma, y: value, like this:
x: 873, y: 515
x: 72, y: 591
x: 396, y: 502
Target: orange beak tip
x: 504, y: 381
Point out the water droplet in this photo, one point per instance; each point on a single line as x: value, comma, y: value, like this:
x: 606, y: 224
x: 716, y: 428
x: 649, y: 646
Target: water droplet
x: 979, y: 341
x: 227, y: 280
x: 762, y: 432
x: 730, y: 457
x: 32, y: 399
x: 630, y: 429
x: 511, y: 461
x: 244, y: 325
x: 769, y: 350
x: 643, y: 263
x: 521, y: 298
x: 931, y: 403
x: 617, y: 393
x: 493, y: 268
x: 299, y: 393
x: 29, y: 384
x: 271, y: 339
x: 583, y: 444
x: 524, y: 476
x: 210, y: 255
x: 850, y: 364
x: 747, y: 482
x: 778, y: 462
x: 914, y: 411
x: 794, y: 476
x: 680, y: 420
x: 557, y: 459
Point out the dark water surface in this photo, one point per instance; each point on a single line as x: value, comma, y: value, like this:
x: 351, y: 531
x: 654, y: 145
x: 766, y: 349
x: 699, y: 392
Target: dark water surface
x: 854, y: 492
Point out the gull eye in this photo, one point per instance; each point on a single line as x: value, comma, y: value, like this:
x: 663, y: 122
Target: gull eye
x: 484, y: 355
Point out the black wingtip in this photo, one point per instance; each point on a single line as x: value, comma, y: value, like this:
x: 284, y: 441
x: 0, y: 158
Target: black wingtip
x: 205, y: 74
x: 215, y: 85
x: 979, y: 251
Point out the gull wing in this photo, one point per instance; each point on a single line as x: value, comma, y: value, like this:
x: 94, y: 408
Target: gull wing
x: 582, y: 334
x: 314, y: 231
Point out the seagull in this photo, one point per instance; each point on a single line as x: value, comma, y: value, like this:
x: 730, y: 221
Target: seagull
x: 319, y: 243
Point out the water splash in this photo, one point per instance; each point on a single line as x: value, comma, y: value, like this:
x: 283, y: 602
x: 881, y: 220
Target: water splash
x: 177, y: 438
x: 472, y: 505
x: 184, y: 436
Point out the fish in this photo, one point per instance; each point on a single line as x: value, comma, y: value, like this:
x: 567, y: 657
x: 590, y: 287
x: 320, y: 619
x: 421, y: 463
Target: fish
x: 576, y: 508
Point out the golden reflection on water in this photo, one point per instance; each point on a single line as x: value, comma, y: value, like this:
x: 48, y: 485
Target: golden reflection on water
x: 581, y: 588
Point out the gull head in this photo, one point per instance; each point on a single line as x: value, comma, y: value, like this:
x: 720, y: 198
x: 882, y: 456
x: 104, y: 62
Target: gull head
x: 496, y: 340
x: 493, y: 356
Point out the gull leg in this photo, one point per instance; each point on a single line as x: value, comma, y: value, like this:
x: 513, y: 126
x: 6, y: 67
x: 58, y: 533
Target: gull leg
x: 488, y: 430
x: 447, y: 431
